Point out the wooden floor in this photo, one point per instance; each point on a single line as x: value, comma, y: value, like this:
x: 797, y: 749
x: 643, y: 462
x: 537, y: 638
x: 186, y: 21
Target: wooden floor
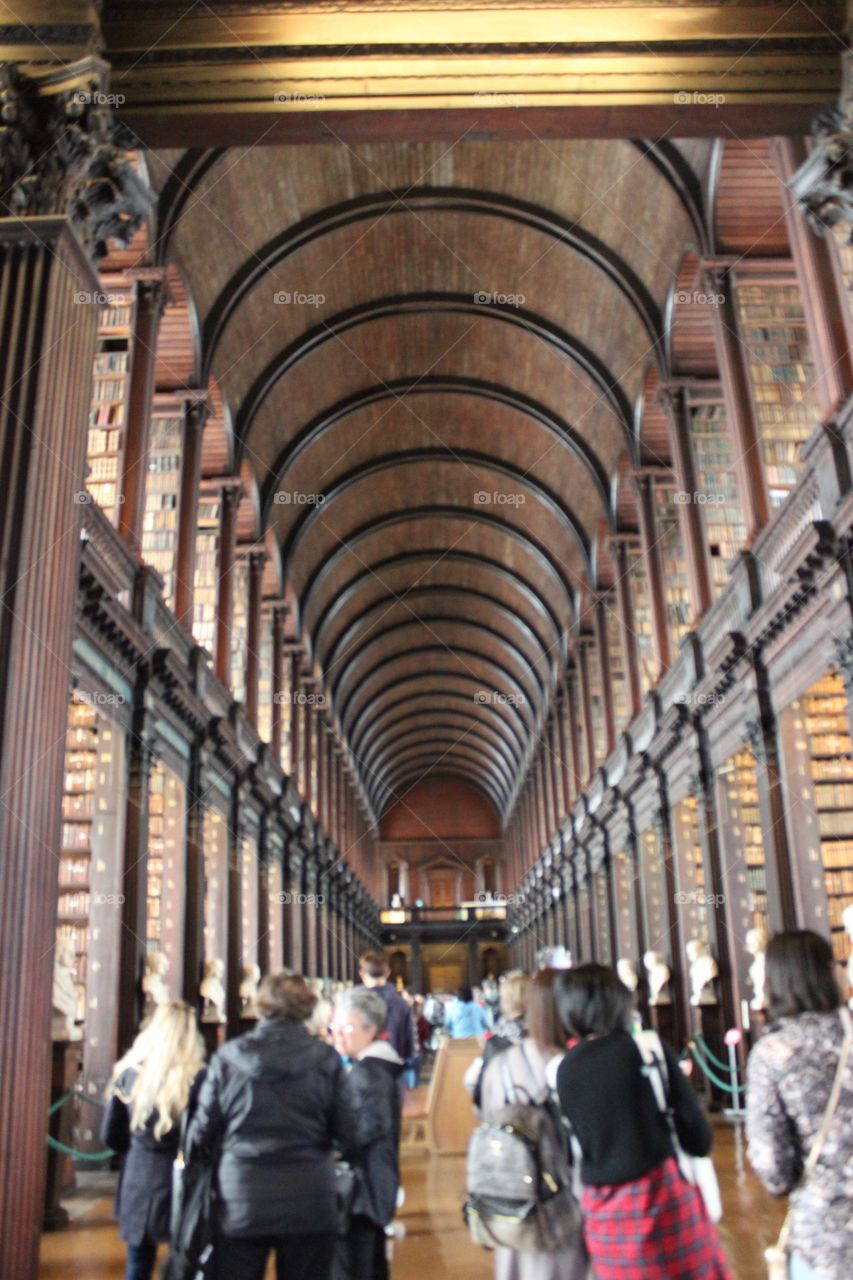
x: 436, y: 1243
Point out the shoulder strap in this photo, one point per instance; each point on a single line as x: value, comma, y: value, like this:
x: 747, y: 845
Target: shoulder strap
x: 832, y: 1104
x: 651, y: 1051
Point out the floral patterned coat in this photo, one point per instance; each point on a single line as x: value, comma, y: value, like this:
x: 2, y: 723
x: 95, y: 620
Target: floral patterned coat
x: 790, y: 1076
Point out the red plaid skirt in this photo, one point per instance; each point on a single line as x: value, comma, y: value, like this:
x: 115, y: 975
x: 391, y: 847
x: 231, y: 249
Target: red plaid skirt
x: 653, y: 1229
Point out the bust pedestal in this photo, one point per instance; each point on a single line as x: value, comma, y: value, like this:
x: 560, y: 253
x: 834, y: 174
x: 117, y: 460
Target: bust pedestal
x: 707, y: 1020
x: 213, y: 1034
x: 66, y: 1068
x: 662, y: 1018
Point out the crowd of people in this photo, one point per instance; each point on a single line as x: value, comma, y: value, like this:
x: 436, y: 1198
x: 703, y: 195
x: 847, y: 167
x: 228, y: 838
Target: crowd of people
x: 297, y: 1124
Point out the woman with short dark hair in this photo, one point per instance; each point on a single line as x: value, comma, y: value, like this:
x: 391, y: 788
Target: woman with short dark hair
x: 641, y: 1217
x: 790, y: 1077
x: 273, y: 1105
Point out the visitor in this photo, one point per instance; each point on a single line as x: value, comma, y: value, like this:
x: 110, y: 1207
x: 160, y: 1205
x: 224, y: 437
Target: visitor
x: 509, y: 1029
x: 790, y: 1076
x: 151, y: 1088
x: 399, y: 1028
x: 274, y: 1104
x: 641, y: 1217
x: 466, y: 1018
x: 375, y: 1069
x: 523, y: 1066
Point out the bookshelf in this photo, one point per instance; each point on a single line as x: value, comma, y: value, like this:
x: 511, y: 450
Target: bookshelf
x: 652, y: 871
x: 239, y: 638
x: 626, y: 923
x: 265, y: 675
x: 691, y: 870
x: 616, y: 662
x: 275, y: 888
x: 162, y: 495
x: 602, y: 916
x: 215, y: 836
x: 206, y: 579
x: 164, y: 894
x: 249, y: 899
x: 596, y: 699
x: 679, y: 611
x: 583, y: 925
x: 108, y: 413
x: 286, y: 713
x: 827, y: 727
x: 75, y: 859
x: 782, y: 375
x: 741, y: 783
x: 724, y: 526
x: 643, y: 624
x: 314, y: 728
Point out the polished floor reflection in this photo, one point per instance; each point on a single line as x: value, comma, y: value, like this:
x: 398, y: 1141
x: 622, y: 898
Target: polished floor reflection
x: 436, y: 1243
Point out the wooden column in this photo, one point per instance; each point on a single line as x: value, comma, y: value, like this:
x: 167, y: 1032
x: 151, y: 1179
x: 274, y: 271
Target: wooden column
x: 257, y: 560
x: 196, y: 413
x: 824, y: 306
x: 194, y: 899
x: 151, y: 295
x: 48, y: 342
x: 603, y: 643
x: 691, y: 521
x: 627, y: 631
x: 225, y: 591
x: 654, y: 571
x: 740, y: 405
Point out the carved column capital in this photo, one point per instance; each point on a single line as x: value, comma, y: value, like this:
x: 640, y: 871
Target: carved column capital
x: 63, y: 153
x: 823, y: 185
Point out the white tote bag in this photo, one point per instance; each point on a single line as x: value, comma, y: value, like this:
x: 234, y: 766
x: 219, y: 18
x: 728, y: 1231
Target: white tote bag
x: 699, y: 1171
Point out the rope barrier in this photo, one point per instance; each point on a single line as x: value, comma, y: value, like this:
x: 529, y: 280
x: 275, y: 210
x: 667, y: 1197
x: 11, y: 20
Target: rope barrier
x: 718, y: 1062
x: 94, y: 1156
x: 75, y: 1093
x: 721, y: 1084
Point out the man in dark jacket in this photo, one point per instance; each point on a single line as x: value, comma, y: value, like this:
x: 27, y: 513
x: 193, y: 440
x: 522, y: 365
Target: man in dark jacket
x: 273, y: 1105
x: 399, y: 1026
x: 374, y: 1074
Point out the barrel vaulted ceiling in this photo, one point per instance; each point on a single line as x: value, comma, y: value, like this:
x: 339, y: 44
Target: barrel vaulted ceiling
x: 431, y: 354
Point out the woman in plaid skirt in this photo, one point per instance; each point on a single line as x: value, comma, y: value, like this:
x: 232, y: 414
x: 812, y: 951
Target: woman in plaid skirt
x: 642, y: 1219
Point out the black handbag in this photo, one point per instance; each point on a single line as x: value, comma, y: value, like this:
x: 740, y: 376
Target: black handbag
x: 346, y: 1185
x: 193, y: 1216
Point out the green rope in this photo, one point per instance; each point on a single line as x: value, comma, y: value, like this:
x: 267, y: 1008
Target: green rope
x: 703, y: 1045
x: 79, y: 1155
x: 721, y: 1084
x: 74, y: 1093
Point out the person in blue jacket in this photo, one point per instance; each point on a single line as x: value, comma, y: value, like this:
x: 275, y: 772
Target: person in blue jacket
x: 466, y: 1018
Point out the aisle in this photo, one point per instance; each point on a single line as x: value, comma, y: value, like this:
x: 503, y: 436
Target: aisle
x: 436, y: 1243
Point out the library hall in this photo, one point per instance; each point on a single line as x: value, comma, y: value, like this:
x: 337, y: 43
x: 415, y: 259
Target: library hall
x: 426, y: 639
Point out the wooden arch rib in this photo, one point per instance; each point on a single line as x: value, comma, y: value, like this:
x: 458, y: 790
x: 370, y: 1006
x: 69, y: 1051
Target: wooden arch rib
x: 377, y: 207
x: 420, y: 722
x: 178, y: 190
x: 569, y: 347
x: 432, y: 384
x: 548, y: 497
x: 417, y: 769
x: 441, y: 735
x: 526, y: 590
x: 488, y: 714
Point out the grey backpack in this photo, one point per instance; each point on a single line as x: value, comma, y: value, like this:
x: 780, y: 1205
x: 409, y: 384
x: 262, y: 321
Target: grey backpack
x: 519, y: 1178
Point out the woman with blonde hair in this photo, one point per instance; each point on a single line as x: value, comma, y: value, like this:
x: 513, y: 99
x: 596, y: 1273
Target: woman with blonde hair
x: 151, y: 1088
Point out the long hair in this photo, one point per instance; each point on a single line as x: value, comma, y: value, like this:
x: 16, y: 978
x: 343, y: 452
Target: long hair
x: 166, y: 1057
x: 798, y: 975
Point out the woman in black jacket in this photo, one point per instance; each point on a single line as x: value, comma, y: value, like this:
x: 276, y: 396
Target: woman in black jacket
x: 375, y: 1070
x: 151, y: 1087
x: 273, y: 1105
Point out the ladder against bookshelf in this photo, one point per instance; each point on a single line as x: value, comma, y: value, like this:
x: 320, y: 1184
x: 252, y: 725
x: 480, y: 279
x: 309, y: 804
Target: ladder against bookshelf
x: 676, y: 583
x: 215, y: 836
x: 206, y: 581
x: 782, y: 376
x: 165, y: 890
x: 162, y: 493
x: 713, y: 447
x: 827, y: 729
x: 643, y: 625
x: 108, y: 414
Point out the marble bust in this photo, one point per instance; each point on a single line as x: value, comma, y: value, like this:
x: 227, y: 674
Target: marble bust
x: 658, y: 976
x: 756, y: 945
x: 212, y: 991
x: 64, y: 999
x: 153, y: 982
x: 703, y: 971
x: 847, y: 921
x: 249, y: 990
x: 627, y: 973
